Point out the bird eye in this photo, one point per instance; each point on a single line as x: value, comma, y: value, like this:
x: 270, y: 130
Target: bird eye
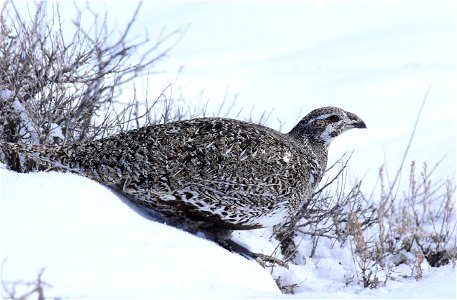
x: 334, y: 118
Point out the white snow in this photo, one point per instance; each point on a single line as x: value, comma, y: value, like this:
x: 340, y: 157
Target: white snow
x: 56, y: 131
x: 24, y: 116
x: 92, y: 245
x: 5, y: 94
x: 27, y: 121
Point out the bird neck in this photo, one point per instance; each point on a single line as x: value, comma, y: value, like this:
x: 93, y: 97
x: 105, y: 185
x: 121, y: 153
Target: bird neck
x: 319, y: 149
x: 317, y: 142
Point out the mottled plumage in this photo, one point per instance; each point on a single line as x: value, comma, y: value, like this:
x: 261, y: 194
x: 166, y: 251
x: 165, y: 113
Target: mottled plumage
x: 211, y: 172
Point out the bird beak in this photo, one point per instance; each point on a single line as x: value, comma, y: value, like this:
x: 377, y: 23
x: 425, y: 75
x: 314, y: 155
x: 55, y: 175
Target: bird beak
x: 356, y: 122
x: 359, y: 124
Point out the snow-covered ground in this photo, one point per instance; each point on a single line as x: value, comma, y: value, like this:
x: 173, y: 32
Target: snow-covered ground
x: 92, y: 245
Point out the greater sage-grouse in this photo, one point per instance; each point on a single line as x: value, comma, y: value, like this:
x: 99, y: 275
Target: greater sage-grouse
x: 213, y: 174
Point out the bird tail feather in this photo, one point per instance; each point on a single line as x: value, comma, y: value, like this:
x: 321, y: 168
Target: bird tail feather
x: 43, y: 155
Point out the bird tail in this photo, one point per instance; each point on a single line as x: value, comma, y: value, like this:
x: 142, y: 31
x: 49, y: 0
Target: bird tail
x: 44, y: 156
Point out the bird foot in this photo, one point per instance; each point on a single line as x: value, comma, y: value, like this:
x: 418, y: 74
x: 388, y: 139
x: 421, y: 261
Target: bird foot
x: 262, y: 259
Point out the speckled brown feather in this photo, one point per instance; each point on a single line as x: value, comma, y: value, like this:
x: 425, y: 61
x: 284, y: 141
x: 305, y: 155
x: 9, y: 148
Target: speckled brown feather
x: 212, y: 171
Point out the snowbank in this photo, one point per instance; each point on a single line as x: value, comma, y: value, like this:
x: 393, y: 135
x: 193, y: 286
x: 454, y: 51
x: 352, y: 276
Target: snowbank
x: 92, y: 245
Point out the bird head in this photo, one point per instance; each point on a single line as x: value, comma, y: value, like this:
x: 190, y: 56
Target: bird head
x: 322, y: 125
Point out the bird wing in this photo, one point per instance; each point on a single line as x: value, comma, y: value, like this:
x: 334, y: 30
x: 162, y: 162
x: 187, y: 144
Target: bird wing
x: 211, y: 167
